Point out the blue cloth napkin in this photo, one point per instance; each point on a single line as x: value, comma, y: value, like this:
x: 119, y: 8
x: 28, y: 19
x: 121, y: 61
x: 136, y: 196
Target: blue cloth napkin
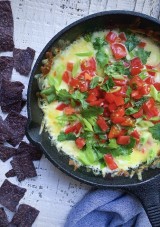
x: 108, y: 208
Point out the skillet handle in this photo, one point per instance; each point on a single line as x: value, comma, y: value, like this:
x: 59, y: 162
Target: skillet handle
x: 149, y: 195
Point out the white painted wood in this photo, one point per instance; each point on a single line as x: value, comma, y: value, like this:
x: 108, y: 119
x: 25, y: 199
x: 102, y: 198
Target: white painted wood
x: 36, y: 22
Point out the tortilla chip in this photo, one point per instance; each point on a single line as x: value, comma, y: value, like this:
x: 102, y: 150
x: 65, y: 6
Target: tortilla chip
x: 3, y: 218
x: 16, y: 123
x: 6, y: 26
x: 11, y: 96
x: 10, y: 173
x: 6, y: 67
x: 4, y: 131
x: 23, y: 60
x: 25, y: 216
x: 23, y: 167
x: 6, y: 152
x: 25, y: 148
x: 10, y: 195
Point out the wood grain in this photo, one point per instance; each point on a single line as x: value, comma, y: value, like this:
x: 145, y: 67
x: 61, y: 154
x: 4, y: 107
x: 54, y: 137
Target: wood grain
x: 36, y: 22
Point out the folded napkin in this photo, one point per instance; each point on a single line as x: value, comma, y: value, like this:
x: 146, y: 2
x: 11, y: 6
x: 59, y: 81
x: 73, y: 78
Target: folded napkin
x: 108, y: 208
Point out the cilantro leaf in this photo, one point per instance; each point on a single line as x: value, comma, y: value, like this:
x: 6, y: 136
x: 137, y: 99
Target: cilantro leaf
x: 143, y: 75
x: 129, y: 91
x: 62, y: 136
x: 117, y: 68
x: 98, y: 43
x: 88, y: 37
x: 102, y: 58
x: 108, y: 84
x: 63, y: 95
x: 142, y: 54
x: 113, y: 144
x: 94, y: 82
x: 140, y: 102
x: 77, y: 95
x: 155, y: 131
x: 132, y: 41
x: 92, y: 111
x: 131, y: 110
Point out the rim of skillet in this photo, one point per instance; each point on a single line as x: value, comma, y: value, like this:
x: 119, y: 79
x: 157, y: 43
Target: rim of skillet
x: 38, y: 61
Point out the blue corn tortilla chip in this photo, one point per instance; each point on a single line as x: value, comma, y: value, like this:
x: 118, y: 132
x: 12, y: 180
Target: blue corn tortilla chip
x: 10, y: 173
x: 4, y: 131
x: 11, y: 96
x: 6, y: 67
x: 3, y: 218
x: 23, y: 167
x: 23, y: 60
x: 16, y: 124
x: 25, y: 216
x: 6, y: 26
x: 6, y: 152
x: 25, y: 148
x: 10, y: 195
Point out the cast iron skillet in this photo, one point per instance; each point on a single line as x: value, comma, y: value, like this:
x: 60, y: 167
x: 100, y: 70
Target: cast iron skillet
x: 148, y: 189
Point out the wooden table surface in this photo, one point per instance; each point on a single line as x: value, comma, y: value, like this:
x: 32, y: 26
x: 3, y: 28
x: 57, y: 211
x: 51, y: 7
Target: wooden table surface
x: 36, y: 22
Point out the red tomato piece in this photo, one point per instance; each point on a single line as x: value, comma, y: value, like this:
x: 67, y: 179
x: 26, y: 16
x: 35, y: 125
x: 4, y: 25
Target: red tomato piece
x: 110, y: 161
x: 106, y: 112
x: 157, y: 86
x: 122, y: 36
x: 123, y: 140
x: 95, y: 91
x: 112, y: 107
x: 119, y: 100
x: 128, y: 122
x: 136, y: 94
x: 111, y: 37
x: 83, y: 86
x: 148, y: 106
x: 149, y: 80
x: 142, y: 44
x: 120, y: 82
x: 66, y: 77
x: 91, y: 98
x: 144, y: 90
x: 119, y: 50
x: 70, y: 66
x: 69, y: 110
x: 114, y: 132
x: 120, y: 112
x: 74, y: 128
x: 74, y: 82
x: 138, y: 114
x: 135, y: 134
x: 102, y: 123
x: 89, y: 65
x: 149, y: 70
x: 136, y: 82
x: 61, y: 106
x: 99, y: 102
x: 121, y: 92
x: 80, y: 142
x: 109, y: 97
x: 136, y: 66
x: 117, y: 120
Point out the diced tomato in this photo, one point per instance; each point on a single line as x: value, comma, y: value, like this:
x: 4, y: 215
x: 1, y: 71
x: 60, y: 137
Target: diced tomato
x: 123, y: 140
x: 91, y: 98
x: 119, y: 82
x: 89, y: 65
x: 138, y: 114
x: 120, y: 112
x: 83, y: 86
x: 157, y: 86
x: 110, y: 161
x: 136, y: 66
x: 142, y: 44
x: 95, y: 91
x: 74, y: 82
x: 87, y: 76
x: 148, y: 105
x: 136, y: 82
x: 109, y: 97
x: 128, y: 122
x: 145, y: 90
x: 114, y: 132
x: 136, y: 94
x: 80, y: 142
x: 135, y: 134
x: 98, y: 102
x: 121, y: 92
x: 102, y: 123
x: 117, y: 120
x: 61, y: 106
x: 153, y: 112
x: 149, y: 80
x: 106, y: 112
x: 119, y: 100
x: 111, y: 37
x: 69, y: 110
x: 112, y: 107
x: 74, y: 128
x: 149, y: 70
x: 70, y: 66
x: 66, y: 77
x: 119, y: 50
x: 122, y: 36
x: 127, y: 105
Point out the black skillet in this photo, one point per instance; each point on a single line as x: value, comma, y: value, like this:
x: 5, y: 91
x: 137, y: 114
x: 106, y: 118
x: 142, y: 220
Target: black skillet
x: 148, y: 189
